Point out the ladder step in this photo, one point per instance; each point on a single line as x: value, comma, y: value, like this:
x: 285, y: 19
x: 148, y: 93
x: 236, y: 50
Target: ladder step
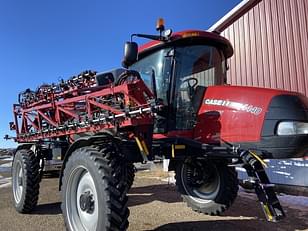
x: 267, y: 185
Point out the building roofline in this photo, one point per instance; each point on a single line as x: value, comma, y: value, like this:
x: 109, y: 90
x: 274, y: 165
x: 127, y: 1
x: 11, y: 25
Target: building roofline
x: 233, y: 15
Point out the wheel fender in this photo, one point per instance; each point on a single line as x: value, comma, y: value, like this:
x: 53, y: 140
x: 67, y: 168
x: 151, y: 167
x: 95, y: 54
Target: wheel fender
x: 23, y: 146
x: 81, y: 142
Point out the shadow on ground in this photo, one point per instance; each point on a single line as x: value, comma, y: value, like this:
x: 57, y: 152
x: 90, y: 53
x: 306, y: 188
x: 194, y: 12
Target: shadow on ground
x: 245, y: 214
x: 229, y: 225
x: 147, y: 194
x: 48, y: 209
x: 206, y: 225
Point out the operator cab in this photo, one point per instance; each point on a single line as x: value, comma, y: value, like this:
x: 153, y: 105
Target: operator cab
x: 178, y: 69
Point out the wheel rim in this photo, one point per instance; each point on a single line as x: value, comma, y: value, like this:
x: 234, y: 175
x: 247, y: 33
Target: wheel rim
x: 81, y: 200
x: 18, y: 182
x: 206, y: 191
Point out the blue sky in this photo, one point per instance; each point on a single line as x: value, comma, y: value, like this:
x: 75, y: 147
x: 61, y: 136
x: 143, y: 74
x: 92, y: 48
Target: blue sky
x: 41, y: 41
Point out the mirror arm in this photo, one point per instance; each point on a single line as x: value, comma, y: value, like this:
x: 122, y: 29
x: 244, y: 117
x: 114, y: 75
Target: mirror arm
x: 152, y: 37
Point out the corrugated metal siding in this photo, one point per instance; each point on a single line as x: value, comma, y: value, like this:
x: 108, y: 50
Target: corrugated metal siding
x: 271, y: 46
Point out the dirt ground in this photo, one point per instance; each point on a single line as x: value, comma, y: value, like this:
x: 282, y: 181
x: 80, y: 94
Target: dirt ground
x: 154, y: 205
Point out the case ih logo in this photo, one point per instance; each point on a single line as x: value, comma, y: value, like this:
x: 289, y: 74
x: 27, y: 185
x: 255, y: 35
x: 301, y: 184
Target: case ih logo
x: 235, y: 105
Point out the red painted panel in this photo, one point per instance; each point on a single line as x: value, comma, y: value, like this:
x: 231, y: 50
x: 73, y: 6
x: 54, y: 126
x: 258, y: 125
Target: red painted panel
x: 233, y: 113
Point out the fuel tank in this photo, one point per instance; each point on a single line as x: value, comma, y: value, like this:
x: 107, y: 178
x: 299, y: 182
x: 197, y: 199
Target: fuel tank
x: 272, y: 121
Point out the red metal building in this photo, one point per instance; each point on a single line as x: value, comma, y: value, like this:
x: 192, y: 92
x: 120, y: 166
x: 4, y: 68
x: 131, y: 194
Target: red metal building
x: 270, y: 40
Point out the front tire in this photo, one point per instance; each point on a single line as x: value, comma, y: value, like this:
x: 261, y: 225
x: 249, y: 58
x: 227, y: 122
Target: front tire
x: 93, y: 190
x: 207, y: 187
x: 25, y: 180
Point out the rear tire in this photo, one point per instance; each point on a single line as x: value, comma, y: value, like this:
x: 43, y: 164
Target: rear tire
x: 25, y: 181
x: 130, y: 175
x: 93, y: 190
x: 207, y: 187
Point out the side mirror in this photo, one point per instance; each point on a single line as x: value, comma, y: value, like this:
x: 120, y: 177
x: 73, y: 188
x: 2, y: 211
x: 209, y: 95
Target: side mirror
x: 130, y: 54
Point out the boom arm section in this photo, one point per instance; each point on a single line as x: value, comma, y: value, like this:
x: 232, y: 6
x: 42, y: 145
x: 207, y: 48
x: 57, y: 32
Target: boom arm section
x: 125, y: 103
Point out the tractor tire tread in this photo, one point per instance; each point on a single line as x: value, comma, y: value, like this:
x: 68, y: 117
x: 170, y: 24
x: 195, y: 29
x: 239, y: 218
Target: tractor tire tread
x: 108, y: 166
x: 32, y: 178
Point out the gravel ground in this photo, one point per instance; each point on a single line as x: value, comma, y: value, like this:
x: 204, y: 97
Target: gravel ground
x: 154, y: 205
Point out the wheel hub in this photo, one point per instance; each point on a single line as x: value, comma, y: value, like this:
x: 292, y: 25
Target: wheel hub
x: 19, y: 181
x: 200, y: 180
x: 81, y: 199
x: 86, y: 202
x: 197, y: 176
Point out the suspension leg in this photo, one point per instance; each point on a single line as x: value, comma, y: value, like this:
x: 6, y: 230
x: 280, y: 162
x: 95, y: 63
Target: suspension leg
x: 263, y: 188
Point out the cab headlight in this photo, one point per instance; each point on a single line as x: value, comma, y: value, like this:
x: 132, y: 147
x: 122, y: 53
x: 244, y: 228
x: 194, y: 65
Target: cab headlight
x: 292, y: 128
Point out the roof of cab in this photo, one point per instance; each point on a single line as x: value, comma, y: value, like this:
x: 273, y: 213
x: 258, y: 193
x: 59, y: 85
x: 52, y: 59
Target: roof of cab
x: 191, y: 35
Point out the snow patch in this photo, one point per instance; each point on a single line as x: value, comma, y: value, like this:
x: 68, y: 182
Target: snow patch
x: 6, y: 165
x: 6, y: 157
x: 5, y: 182
x: 8, y: 184
x: 170, y: 179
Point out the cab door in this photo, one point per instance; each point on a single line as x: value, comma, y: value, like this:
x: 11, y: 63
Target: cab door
x: 196, y: 68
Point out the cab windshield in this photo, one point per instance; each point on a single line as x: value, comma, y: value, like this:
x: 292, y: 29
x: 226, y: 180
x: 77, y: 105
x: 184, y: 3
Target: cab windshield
x: 190, y: 69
